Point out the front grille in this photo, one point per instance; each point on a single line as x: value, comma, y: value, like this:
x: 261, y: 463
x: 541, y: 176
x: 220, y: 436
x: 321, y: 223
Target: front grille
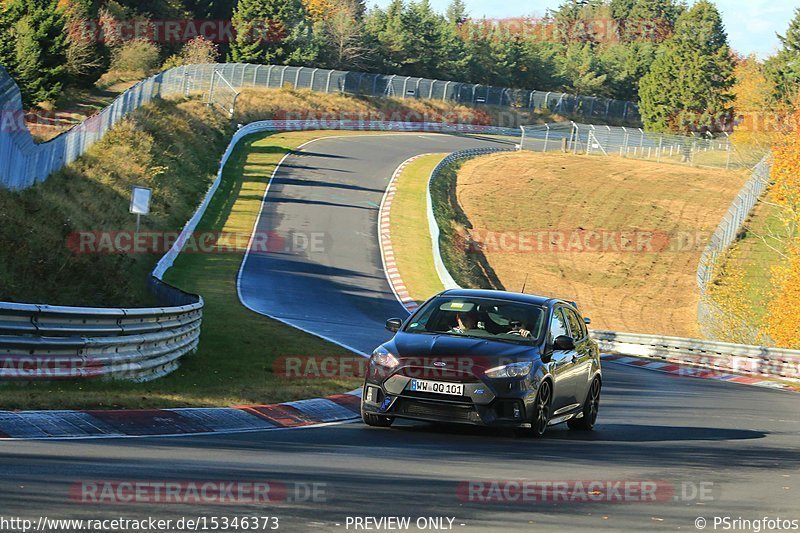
x: 436, y: 411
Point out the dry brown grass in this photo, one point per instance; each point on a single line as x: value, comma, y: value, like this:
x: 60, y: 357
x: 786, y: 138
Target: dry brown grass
x: 266, y: 104
x: 644, y: 292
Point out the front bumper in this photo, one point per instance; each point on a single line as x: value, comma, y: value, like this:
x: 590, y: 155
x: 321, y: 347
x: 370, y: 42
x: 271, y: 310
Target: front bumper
x: 504, y: 404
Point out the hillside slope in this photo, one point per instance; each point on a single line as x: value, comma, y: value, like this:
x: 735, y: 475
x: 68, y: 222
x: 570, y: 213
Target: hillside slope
x: 623, y: 238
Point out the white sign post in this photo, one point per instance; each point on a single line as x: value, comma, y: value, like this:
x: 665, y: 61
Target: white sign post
x: 140, y: 203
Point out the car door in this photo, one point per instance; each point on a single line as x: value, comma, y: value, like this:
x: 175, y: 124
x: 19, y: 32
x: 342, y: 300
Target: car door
x: 563, y: 362
x: 583, y: 353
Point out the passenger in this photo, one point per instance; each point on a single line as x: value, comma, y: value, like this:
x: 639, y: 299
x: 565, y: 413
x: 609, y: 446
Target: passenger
x: 467, y: 324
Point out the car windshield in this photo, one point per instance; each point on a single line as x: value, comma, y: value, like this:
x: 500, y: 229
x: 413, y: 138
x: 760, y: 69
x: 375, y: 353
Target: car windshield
x: 498, y: 320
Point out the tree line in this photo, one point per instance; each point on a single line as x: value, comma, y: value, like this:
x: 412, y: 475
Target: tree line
x: 672, y: 58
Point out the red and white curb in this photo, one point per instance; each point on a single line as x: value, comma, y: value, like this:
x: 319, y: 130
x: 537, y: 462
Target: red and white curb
x: 387, y: 250
x: 698, y: 372
x: 179, y: 422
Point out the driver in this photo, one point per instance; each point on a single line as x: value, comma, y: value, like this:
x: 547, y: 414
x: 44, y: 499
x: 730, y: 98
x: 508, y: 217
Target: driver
x: 517, y: 329
x: 467, y: 323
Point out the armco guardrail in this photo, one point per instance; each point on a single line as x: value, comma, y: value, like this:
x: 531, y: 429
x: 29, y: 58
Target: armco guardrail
x: 736, y: 358
x: 45, y: 342
x: 23, y: 162
x: 444, y: 275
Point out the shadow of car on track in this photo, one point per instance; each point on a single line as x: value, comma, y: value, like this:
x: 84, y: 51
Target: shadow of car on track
x: 628, y: 433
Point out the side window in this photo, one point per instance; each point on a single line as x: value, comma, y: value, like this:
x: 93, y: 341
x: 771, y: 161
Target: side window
x: 576, y: 325
x: 558, y: 325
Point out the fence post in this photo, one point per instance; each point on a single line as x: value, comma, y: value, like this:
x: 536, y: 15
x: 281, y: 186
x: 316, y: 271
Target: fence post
x: 728, y: 157
x: 577, y: 138
x: 297, y: 77
x: 283, y: 76
x: 269, y: 75
x: 546, y: 136
x: 626, y: 141
x: 522, y: 139
x: 660, y: 147
x: 446, y: 85
x: 328, y: 82
x: 211, y: 87
x: 430, y: 93
x: 313, y: 73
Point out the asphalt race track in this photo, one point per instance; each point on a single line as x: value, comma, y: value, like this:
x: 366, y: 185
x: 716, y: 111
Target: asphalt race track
x: 329, y: 193
x: 721, y: 449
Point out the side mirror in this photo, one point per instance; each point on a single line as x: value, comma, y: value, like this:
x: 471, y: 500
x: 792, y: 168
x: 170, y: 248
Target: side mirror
x: 564, y: 343
x: 394, y: 324
x: 587, y: 320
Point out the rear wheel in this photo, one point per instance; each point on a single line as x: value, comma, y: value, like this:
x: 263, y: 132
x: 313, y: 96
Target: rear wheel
x: 541, y: 412
x: 590, y: 409
x: 377, y: 420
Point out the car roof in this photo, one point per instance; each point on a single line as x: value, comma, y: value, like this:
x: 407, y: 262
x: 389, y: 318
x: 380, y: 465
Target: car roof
x: 504, y: 295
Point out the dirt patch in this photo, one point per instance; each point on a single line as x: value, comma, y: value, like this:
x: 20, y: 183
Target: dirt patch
x: 623, y: 238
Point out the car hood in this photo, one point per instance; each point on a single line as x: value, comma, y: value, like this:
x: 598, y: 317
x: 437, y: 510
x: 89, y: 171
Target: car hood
x: 418, y: 345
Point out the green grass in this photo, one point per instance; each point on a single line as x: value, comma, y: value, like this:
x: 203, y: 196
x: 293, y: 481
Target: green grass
x: 234, y: 363
x: 469, y: 269
x: 172, y: 147
x: 411, y: 238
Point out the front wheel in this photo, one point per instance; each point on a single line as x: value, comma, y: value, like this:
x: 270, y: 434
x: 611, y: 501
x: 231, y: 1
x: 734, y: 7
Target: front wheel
x: 590, y: 409
x: 377, y: 420
x: 541, y: 412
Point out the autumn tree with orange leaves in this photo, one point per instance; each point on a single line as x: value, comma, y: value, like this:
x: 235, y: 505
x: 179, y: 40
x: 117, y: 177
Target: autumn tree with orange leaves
x: 784, y: 309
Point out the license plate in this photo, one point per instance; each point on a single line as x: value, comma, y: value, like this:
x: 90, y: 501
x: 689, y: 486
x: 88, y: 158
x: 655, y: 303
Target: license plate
x: 437, y: 387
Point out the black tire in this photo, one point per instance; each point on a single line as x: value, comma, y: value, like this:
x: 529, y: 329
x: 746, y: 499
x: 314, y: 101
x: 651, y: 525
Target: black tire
x: 590, y: 409
x: 377, y: 420
x: 540, y: 417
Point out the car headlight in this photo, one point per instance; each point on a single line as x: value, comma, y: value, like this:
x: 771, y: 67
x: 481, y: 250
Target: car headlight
x: 513, y: 370
x: 383, y: 357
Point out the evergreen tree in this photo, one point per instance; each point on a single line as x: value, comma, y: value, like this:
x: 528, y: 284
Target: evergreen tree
x: 457, y: 12
x: 33, y: 47
x: 583, y: 72
x: 625, y: 65
x: 688, y: 86
x: 652, y: 20
x: 783, y: 69
x: 272, y: 31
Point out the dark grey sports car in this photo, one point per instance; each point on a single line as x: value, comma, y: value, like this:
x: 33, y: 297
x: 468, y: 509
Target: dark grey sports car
x: 487, y: 358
